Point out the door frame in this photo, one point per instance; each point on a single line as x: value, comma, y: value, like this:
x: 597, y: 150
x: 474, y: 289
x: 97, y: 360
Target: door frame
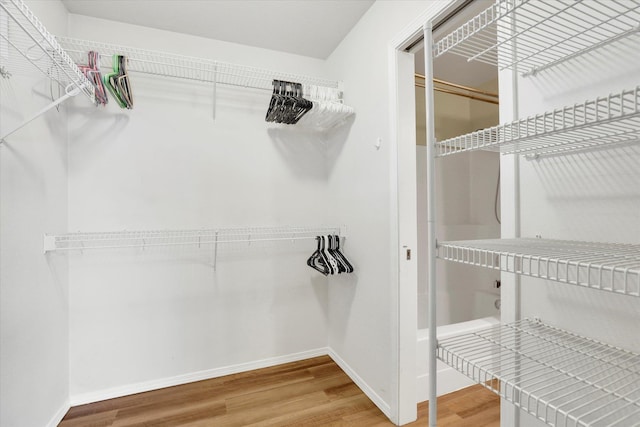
x: 403, y: 209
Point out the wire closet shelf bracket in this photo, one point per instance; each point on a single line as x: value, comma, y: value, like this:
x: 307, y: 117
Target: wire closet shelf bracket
x: 26, y: 46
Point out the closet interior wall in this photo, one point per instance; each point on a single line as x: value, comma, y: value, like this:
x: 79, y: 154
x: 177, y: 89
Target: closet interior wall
x: 592, y: 195
x: 363, y: 190
x: 143, y: 319
x: 34, y: 332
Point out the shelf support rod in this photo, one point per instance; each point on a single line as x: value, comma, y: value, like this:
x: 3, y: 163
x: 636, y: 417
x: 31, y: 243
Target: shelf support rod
x: 55, y: 103
x: 215, y: 89
x: 215, y: 252
x: 431, y: 234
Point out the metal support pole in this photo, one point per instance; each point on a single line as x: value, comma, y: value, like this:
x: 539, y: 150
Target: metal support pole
x: 215, y: 253
x: 58, y: 101
x: 431, y: 231
x: 215, y: 89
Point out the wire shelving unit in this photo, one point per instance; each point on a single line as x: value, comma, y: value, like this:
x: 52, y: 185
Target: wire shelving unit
x: 559, y: 377
x: 203, y: 237
x: 186, y: 67
x: 600, y: 122
x: 604, y: 266
x: 27, y: 48
x: 531, y: 35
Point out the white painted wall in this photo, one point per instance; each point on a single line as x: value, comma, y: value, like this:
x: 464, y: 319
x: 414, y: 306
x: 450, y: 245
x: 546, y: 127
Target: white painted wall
x: 33, y: 287
x: 362, y: 191
x: 142, y: 319
x: 592, y: 196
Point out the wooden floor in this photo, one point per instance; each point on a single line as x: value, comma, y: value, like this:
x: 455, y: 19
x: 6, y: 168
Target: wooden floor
x: 314, y: 392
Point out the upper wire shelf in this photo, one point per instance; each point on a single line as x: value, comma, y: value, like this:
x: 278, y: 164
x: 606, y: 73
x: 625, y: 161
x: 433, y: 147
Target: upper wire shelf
x: 207, y: 237
x: 605, y: 266
x: 190, y: 68
x: 532, y: 35
x: 25, y: 43
x: 595, y: 123
x: 559, y: 377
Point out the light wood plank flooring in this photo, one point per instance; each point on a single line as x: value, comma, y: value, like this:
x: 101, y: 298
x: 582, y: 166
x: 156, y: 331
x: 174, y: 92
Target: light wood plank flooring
x: 313, y: 392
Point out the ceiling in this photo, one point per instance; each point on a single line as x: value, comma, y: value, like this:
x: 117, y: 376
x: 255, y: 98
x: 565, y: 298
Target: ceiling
x: 304, y: 27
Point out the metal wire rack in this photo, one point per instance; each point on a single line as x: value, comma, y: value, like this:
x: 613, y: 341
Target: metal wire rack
x: 185, y: 67
x: 205, y: 237
x: 27, y: 48
x: 559, y: 377
x: 532, y: 35
x: 604, y: 121
x: 605, y: 266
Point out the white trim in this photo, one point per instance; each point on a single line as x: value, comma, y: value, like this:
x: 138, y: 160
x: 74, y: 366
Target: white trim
x: 362, y: 384
x: 96, y: 396
x: 59, y: 415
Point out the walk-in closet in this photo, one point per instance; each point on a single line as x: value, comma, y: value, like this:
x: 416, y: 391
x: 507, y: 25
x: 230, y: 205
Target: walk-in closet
x: 354, y: 212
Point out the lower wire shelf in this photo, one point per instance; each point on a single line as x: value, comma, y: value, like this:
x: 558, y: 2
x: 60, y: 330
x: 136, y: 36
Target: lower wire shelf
x: 557, y: 376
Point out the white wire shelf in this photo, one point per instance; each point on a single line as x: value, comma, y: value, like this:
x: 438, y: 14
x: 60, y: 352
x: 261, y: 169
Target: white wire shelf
x: 559, y: 377
x: 27, y: 49
x: 26, y: 45
x: 532, y: 35
x: 604, y: 266
x: 185, y: 67
x: 602, y: 122
x: 208, y: 237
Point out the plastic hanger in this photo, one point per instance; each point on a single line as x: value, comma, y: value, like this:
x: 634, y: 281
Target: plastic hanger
x: 316, y: 261
x: 343, y: 259
x: 342, y: 266
x: 330, y: 260
x: 118, y: 83
x: 109, y: 80
x: 124, y: 85
x: 287, y: 104
x: 92, y: 72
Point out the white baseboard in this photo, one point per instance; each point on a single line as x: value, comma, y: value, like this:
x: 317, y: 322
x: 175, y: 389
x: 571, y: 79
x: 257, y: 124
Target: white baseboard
x: 366, y: 389
x: 59, y: 415
x: 81, y: 399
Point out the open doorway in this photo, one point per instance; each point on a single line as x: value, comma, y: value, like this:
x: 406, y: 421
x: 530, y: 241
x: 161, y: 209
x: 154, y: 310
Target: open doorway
x: 467, y: 186
x: 467, y: 190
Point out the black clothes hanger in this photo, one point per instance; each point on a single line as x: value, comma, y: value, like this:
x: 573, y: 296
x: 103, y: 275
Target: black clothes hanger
x: 317, y: 262
x: 287, y: 104
x: 342, y: 268
x: 331, y: 261
x: 327, y: 258
x: 341, y: 256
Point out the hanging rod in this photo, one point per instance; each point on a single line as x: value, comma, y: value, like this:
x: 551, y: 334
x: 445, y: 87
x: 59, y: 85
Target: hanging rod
x: 156, y: 238
x: 458, y: 86
x: 465, y: 95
